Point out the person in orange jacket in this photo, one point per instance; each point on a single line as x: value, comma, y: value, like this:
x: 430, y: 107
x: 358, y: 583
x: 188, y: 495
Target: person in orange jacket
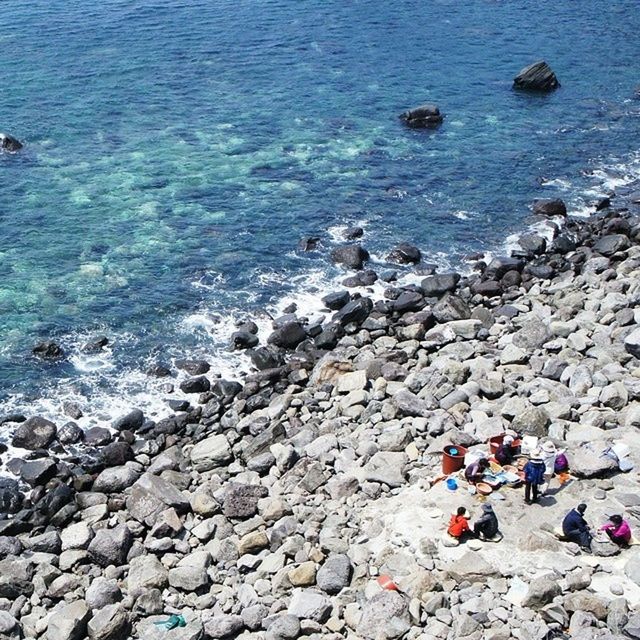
x: 459, y: 524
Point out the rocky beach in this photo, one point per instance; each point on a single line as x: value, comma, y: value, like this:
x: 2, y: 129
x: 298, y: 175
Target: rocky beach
x: 308, y: 500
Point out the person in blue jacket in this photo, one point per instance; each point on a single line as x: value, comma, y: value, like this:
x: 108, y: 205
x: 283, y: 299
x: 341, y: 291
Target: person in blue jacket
x: 533, y: 476
x: 576, y: 529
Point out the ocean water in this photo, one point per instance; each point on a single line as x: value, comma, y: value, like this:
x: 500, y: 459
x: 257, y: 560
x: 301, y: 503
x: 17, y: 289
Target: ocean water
x: 176, y: 152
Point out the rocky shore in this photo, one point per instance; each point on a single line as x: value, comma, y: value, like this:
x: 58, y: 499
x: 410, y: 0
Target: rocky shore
x: 269, y: 509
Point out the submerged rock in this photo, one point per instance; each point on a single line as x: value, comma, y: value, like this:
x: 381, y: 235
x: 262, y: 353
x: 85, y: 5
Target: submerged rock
x: 426, y: 116
x: 536, y: 77
x: 48, y: 350
x: 9, y: 143
x: 352, y: 256
x: 550, y: 207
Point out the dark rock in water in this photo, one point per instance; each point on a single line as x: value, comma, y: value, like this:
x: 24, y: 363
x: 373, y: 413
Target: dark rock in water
x: 193, y: 367
x: 389, y: 276
x: 249, y: 326
x: 72, y: 410
x: 241, y: 500
x: 178, y: 405
x: 308, y: 243
x: 288, y: 336
x: 195, y: 385
x: 356, y: 311
x: 227, y: 389
x: 609, y: 245
x: 132, y: 421
x: 97, y: 436
x: 451, y: 308
x: 426, y: 269
x: 362, y: 279
x: 533, y: 243
x: 551, y: 207
x: 436, y: 285
x: 49, y: 350
x: 70, y: 433
x: 487, y: 288
x: 9, y: 143
x: 265, y: 358
x: 12, y: 417
x: 159, y: 370
x: 405, y: 253
x: 10, y: 496
x: 116, y: 454
x: 336, y: 300
x: 501, y: 265
x: 38, y: 472
x: 426, y: 116
x: 536, y: 77
x: 329, y: 337
x: 352, y: 256
x: 244, y: 340
x: 564, y: 243
x: 603, y: 203
x: 351, y: 233
x: 35, y: 433
x: 96, y: 345
x: 409, y: 301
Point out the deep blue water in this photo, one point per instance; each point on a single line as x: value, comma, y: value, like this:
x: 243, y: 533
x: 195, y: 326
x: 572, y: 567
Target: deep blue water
x: 175, y: 153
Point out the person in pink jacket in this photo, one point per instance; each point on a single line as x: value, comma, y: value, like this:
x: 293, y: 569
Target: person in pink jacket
x: 618, y: 530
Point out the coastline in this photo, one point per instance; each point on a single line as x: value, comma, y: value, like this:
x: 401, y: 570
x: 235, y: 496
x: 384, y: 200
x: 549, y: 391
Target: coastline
x: 268, y: 509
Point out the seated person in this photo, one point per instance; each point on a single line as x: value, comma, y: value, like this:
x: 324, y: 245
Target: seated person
x: 475, y: 471
x: 459, y: 524
x: 618, y: 530
x: 506, y: 451
x: 486, y: 526
x: 576, y: 529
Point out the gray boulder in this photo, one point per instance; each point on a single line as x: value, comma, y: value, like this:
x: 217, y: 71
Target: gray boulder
x: 111, y: 546
x: 436, y: 285
x: 109, y: 623
x: 405, y: 253
x: 632, y: 343
x: 632, y: 567
x: 283, y: 627
x: 352, y: 256
x: 223, y: 626
x: 309, y: 605
x: 550, y: 207
x: 151, y: 495
x: 116, y: 479
x: 16, y: 578
x: 612, y: 244
x: 241, y: 500
x: 146, y: 572
x: 386, y: 467
x: 451, y: 308
x: 536, y: 77
x: 385, y: 616
x: 335, y: 573
x: 69, y: 622
x: 101, y: 592
x: 211, y: 453
x: 541, y: 591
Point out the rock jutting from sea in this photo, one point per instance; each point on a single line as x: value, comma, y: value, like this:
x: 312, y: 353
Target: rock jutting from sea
x: 269, y: 509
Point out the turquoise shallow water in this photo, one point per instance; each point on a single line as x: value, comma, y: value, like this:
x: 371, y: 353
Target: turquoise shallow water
x: 176, y: 152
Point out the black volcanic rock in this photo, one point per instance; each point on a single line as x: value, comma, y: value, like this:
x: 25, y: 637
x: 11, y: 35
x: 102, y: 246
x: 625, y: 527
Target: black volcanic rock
x: 426, y: 116
x: 536, y: 77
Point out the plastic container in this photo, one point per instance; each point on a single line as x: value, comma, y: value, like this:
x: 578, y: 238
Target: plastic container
x: 452, y: 485
x: 453, y: 458
x: 496, y: 441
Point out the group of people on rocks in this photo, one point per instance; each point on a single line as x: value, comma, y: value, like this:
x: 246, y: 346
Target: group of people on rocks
x: 543, y: 463
x: 574, y: 527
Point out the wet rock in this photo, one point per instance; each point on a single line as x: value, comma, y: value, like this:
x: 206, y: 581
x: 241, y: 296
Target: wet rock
x: 193, y: 367
x: 426, y: 116
x: 352, y: 233
x: 436, y: 285
x: 38, y: 472
x: 405, y: 253
x: 159, y: 370
x: 195, y: 385
x: 97, y: 436
x: 48, y: 350
x: 533, y: 243
x: 288, y: 336
x: 244, y: 340
x: 72, y: 409
x: 336, y: 300
x: 35, y: 433
x: 351, y: 256
x: 385, y: 616
x: 550, y: 207
x: 308, y: 243
x: 356, y: 311
x: 9, y: 143
x: 536, y: 77
x: 132, y: 421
